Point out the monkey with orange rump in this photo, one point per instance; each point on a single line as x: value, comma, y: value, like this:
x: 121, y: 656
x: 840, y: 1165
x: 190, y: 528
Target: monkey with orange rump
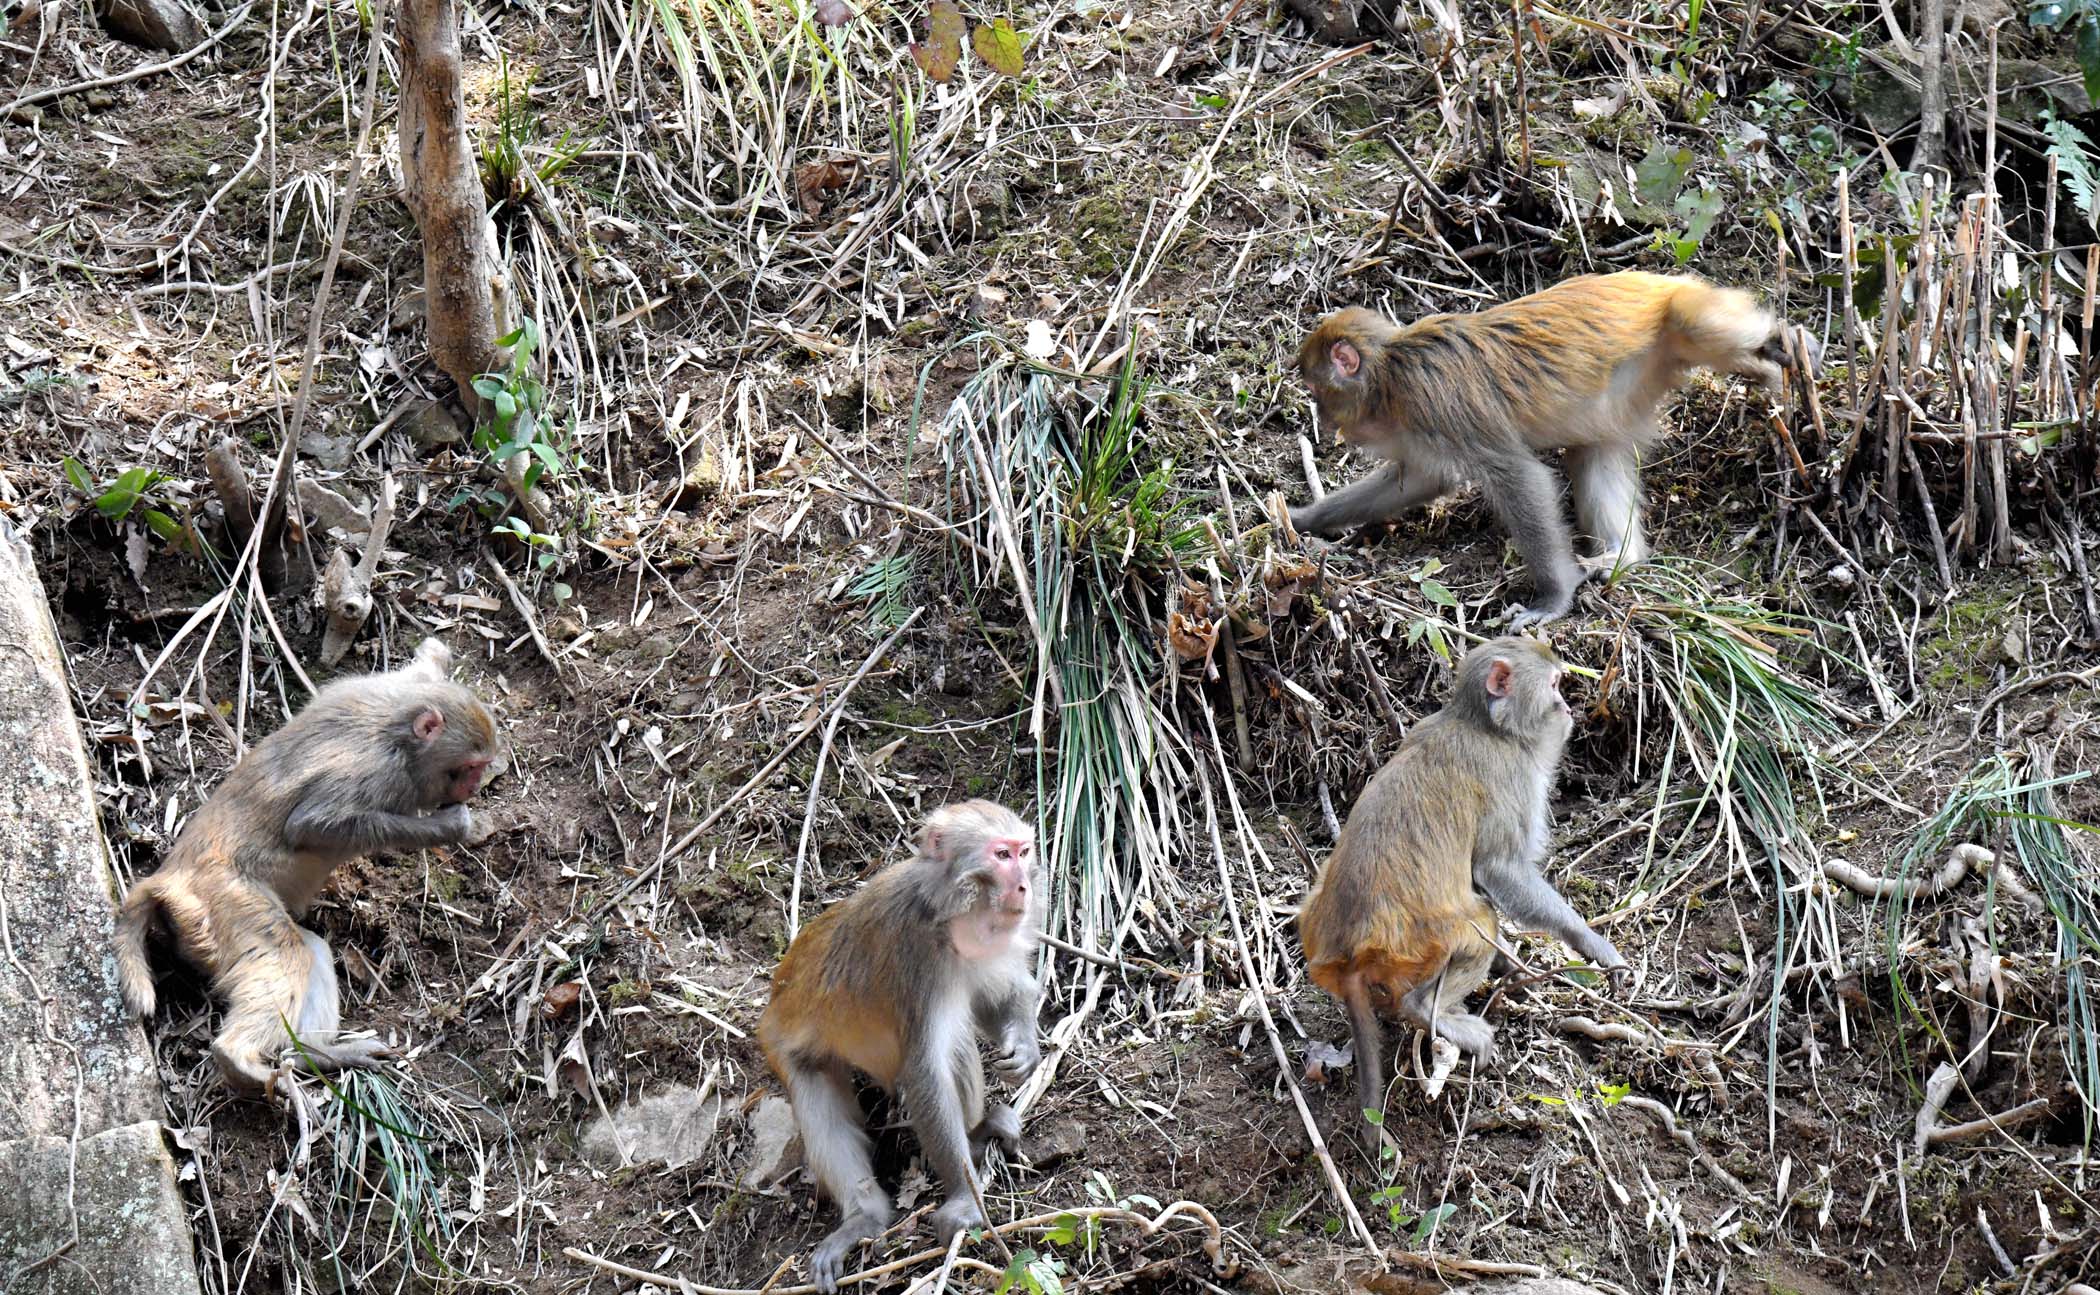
x: 1581, y: 367
x: 900, y: 981
x: 1451, y: 830
x: 380, y: 762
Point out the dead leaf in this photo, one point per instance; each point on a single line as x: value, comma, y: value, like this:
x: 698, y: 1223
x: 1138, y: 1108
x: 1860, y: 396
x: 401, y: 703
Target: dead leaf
x: 1284, y: 578
x: 1193, y: 637
x: 1323, y: 1057
x: 833, y: 13
x: 943, y: 48
x: 561, y: 1000
x: 135, y: 553
x: 573, y: 1067
x: 814, y: 181
x: 1040, y: 344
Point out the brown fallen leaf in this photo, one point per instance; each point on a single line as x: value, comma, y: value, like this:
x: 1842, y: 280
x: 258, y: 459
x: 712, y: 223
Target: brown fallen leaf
x: 561, y: 1000
x: 1193, y: 637
x: 815, y: 181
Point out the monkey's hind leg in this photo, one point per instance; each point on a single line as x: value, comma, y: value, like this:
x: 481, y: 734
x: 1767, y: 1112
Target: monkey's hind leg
x: 835, y: 1144
x: 1606, y: 482
x: 1426, y: 1006
x: 1524, y: 499
x: 285, y: 975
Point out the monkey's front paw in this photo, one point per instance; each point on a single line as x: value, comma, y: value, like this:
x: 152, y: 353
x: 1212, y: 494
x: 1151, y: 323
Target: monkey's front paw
x: 463, y: 825
x: 1541, y: 612
x: 1017, y: 1059
x: 958, y: 1213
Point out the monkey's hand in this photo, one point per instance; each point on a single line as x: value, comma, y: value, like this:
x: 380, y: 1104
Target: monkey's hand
x: 464, y: 825
x: 955, y: 1214
x: 1541, y: 611
x: 1018, y: 1055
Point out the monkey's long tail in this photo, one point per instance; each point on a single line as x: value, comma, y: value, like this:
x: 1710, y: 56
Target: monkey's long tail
x: 1369, y: 1043
x: 135, y: 916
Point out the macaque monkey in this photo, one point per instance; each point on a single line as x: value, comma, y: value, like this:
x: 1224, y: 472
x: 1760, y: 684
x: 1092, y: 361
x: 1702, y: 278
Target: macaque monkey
x: 1580, y: 367
x: 1451, y: 830
x: 899, y: 982
x: 377, y: 762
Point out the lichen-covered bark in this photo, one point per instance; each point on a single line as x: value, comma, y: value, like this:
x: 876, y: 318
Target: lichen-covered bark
x: 466, y: 290
x: 87, y: 1190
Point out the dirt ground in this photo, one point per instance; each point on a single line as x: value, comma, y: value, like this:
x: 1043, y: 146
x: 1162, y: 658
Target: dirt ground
x: 755, y: 326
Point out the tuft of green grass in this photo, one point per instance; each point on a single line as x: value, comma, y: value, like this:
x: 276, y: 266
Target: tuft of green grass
x: 513, y: 161
x: 2002, y: 795
x: 1751, y: 726
x: 377, y: 1194
x: 1053, y: 483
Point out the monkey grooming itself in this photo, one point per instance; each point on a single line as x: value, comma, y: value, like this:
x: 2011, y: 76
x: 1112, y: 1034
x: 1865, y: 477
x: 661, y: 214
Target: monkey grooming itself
x: 377, y: 762
x: 1581, y: 367
x: 1456, y: 822
x: 899, y: 981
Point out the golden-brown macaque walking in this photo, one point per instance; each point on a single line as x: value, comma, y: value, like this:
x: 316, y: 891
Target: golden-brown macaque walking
x: 1400, y: 918
x: 900, y: 981
x: 1580, y: 367
x: 377, y: 762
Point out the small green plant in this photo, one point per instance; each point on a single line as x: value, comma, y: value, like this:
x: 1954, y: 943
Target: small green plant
x: 508, y: 172
x: 517, y: 426
x: 138, y: 491
x: 1034, y: 1273
x: 37, y: 382
x: 2077, y: 165
x: 886, y: 582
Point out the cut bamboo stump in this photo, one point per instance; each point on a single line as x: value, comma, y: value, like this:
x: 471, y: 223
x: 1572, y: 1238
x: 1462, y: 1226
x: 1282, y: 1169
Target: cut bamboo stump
x: 88, y: 1201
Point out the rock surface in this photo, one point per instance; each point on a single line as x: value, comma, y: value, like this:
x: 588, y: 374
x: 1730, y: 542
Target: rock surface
x: 133, y: 1232
x: 73, y: 1057
x: 776, y: 1149
x: 676, y: 1126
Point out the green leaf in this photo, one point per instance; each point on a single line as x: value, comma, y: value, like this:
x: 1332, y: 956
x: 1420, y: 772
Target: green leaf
x: 79, y: 476
x: 943, y: 48
x: 1433, y: 1219
x: 1691, y: 19
x: 999, y: 45
x: 513, y: 337
x: 1375, y: 1116
x: 1435, y: 592
x: 2077, y: 165
x: 164, y: 526
x: 1661, y: 173
x: 506, y: 406
x: 488, y: 386
x: 1613, y: 1094
x: 2088, y: 50
x: 562, y: 592
x: 547, y: 455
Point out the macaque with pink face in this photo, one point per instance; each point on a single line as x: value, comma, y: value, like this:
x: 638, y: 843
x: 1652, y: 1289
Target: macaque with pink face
x: 902, y: 982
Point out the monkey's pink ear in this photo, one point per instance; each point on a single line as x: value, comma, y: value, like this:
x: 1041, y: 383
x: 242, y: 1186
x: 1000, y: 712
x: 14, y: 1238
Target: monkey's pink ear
x: 428, y: 724
x: 1500, y: 673
x: 1345, y: 359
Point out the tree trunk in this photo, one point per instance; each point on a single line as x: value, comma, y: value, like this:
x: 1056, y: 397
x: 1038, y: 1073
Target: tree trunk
x: 466, y: 289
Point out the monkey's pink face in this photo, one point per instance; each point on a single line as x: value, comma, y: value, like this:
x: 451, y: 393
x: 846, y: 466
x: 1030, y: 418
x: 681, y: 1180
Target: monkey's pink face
x: 1011, y: 861
x: 464, y: 779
